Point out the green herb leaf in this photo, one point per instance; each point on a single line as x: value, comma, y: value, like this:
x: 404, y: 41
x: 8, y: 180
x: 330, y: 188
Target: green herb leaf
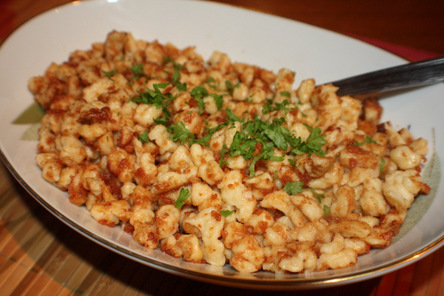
x: 205, y: 140
x: 184, y: 194
x: 210, y: 84
x: 143, y: 137
x: 33, y: 114
x: 293, y: 188
x: 167, y: 60
x: 162, y: 120
x: 270, y: 106
x: 278, y: 139
x: 314, y: 143
x: 230, y: 86
x: 326, y: 210
x: 180, y: 86
x: 258, y: 139
x: 275, y: 175
x: 318, y: 196
x: 210, y: 79
x: 242, y: 145
x: 223, y: 152
x: 157, y: 98
x: 231, y: 116
x: 180, y: 133
x: 176, y: 76
x: 218, y: 99
x: 285, y: 94
x: 226, y: 213
x: 137, y: 70
x: 381, y: 166
x: 110, y: 73
x: 198, y: 93
x: 367, y: 140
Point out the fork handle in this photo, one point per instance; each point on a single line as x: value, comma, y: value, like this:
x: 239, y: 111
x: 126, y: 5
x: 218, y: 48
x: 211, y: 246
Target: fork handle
x: 414, y: 74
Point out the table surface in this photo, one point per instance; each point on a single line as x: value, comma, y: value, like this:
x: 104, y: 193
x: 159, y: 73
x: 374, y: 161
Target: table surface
x: 39, y: 255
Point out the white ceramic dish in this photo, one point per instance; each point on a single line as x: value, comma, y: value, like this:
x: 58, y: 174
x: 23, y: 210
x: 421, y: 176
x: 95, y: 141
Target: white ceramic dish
x: 249, y: 37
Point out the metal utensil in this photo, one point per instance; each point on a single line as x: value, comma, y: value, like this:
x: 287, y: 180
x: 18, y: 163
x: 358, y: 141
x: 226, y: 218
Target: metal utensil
x: 410, y: 75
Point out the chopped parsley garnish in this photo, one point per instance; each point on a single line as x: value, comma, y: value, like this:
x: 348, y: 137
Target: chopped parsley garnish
x: 318, y: 196
x: 143, y: 137
x: 109, y: 74
x: 231, y: 116
x: 198, y: 93
x: 270, y: 107
x: 293, y: 188
x: 218, y: 99
x: 137, y: 70
x: 176, y: 81
x: 275, y: 175
x: 176, y: 76
x: 381, y: 166
x: 180, y: 133
x: 210, y: 84
x: 314, y: 143
x: 223, y: 152
x: 184, y: 194
x: 285, y: 94
x: 326, y: 210
x: 176, y: 66
x: 367, y: 140
x: 167, y: 60
x: 230, y: 86
x: 258, y: 139
x: 157, y: 98
x: 164, y: 120
x: 226, y: 213
x: 266, y: 154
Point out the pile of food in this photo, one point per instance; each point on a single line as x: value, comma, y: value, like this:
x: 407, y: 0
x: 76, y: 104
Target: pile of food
x: 220, y: 162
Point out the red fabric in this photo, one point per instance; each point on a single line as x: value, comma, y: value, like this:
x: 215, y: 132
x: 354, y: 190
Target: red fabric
x: 408, y: 53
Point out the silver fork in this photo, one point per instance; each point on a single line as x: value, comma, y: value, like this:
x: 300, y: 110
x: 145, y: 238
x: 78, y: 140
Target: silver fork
x: 410, y: 75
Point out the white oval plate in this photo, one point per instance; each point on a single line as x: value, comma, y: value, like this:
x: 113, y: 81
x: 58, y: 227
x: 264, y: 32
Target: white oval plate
x: 246, y: 36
